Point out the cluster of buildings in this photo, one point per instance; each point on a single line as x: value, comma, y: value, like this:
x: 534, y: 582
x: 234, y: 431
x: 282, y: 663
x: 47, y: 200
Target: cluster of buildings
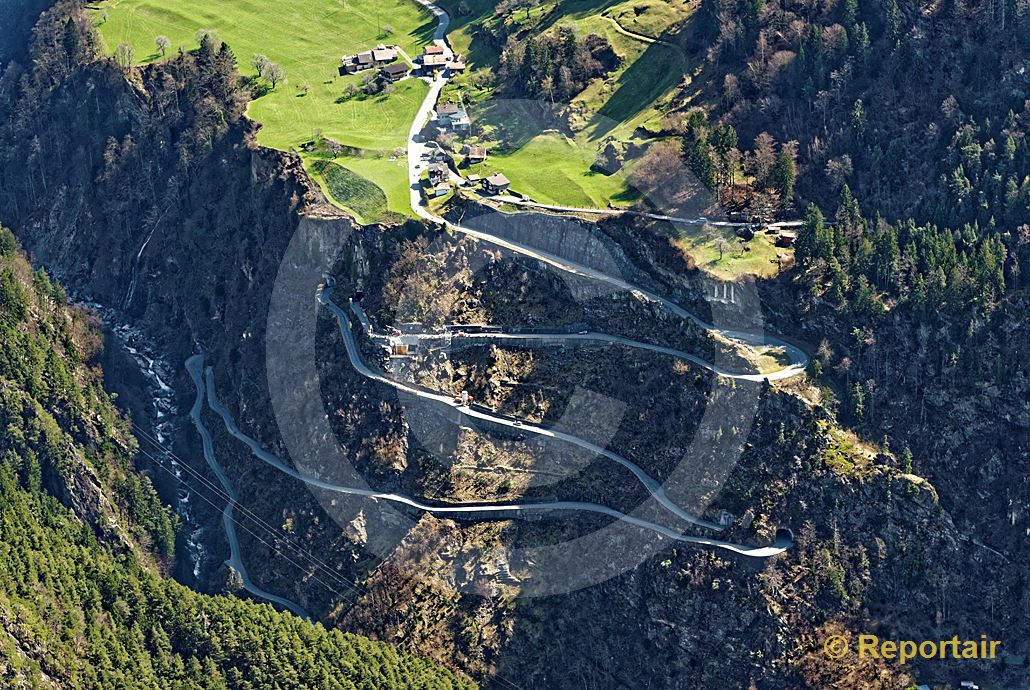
x: 385, y: 59
x: 454, y: 118
x: 440, y: 181
x: 382, y: 58
x: 434, y: 59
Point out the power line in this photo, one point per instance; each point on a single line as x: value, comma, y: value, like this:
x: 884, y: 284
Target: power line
x: 276, y: 533
x: 221, y: 493
x: 313, y: 560
x: 244, y: 527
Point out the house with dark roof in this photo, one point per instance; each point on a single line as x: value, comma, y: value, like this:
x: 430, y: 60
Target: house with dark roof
x: 394, y: 71
x: 357, y: 63
x: 786, y: 239
x: 438, y: 173
x: 496, y: 184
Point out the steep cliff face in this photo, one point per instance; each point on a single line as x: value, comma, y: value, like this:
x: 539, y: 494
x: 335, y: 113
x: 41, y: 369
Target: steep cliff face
x: 143, y: 191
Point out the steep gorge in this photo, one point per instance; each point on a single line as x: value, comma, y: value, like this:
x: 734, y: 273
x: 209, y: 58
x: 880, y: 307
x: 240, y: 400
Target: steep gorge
x: 142, y: 190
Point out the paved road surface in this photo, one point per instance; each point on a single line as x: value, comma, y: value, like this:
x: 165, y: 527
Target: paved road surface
x: 508, y: 510
x: 652, y: 485
x: 596, y: 337
x: 195, y: 367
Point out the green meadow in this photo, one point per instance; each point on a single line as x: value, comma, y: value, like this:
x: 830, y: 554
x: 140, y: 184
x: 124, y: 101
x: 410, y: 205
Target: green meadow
x: 705, y: 245
x: 555, y: 167
x: 307, y: 38
x: 373, y: 188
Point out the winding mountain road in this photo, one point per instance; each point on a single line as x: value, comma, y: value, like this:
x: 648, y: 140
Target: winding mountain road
x: 487, y: 510
x: 798, y: 360
x: 416, y: 148
x: 597, y: 337
x: 195, y: 367
x: 653, y: 486
x: 516, y: 201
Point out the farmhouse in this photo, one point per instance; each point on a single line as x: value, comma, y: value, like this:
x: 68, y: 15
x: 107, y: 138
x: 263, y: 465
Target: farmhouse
x: 496, y: 184
x: 786, y: 239
x: 476, y: 154
x: 433, y: 49
x: 450, y: 115
x: 458, y: 64
x: 357, y: 63
x: 383, y: 55
x: 394, y: 71
x: 431, y: 64
x: 438, y: 173
x: 438, y: 154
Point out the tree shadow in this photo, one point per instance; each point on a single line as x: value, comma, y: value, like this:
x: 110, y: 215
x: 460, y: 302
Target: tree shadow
x: 659, y: 68
x: 424, y: 32
x: 574, y: 9
x: 517, y: 122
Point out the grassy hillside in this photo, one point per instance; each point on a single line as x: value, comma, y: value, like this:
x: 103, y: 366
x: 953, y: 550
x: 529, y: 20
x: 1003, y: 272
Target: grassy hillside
x: 307, y: 39
x: 633, y: 95
x: 352, y: 190
x: 81, y: 602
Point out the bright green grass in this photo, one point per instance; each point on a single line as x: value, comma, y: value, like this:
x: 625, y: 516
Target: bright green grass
x: 702, y: 245
x: 379, y: 123
x: 351, y: 190
x: 308, y: 38
x: 553, y: 169
x: 650, y: 17
x: 391, y: 176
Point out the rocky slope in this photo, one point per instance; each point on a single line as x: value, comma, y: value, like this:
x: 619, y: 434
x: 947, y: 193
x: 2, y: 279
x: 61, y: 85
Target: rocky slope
x: 143, y: 191
x: 84, y: 536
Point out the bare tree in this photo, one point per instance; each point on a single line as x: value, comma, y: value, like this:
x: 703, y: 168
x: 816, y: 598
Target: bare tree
x: 124, y: 55
x: 839, y: 169
x: 370, y: 84
x: 721, y: 243
x: 163, y: 42
x: 274, y: 73
x: 259, y: 63
x: 765, y: 156
x: 209, y: 36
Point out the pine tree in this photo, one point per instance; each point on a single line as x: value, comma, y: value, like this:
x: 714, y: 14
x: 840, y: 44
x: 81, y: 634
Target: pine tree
x: 782, y: 175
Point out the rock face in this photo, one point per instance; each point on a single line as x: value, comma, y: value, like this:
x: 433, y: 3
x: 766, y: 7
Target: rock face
x: 154, y: 202
x: 152, y: 199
